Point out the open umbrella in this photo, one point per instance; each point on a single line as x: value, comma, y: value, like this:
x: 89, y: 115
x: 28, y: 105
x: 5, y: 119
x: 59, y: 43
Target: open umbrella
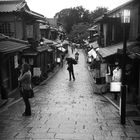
x: 71, y: 60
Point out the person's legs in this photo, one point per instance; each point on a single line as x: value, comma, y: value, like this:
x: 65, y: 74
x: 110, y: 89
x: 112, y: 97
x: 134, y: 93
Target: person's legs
x: 73, y: 75
x: 27, y: 106
x: 70, y: 75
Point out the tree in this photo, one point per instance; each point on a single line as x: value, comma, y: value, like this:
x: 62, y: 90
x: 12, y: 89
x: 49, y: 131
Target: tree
x: 77, y: 20
x: 99, y: 11
x: 79, y: 32
x: 69, y: 17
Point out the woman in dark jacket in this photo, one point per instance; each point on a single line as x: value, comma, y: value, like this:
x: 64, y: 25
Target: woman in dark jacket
x: 25, y: 83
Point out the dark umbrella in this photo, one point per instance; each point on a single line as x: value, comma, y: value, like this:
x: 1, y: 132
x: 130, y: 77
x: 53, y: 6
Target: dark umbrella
x: 71, y: 60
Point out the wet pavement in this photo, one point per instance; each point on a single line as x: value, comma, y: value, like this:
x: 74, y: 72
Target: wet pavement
x: 66, y: 110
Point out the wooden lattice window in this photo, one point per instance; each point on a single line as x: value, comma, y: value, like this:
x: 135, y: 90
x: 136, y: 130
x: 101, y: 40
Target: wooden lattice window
x: 5, y: 29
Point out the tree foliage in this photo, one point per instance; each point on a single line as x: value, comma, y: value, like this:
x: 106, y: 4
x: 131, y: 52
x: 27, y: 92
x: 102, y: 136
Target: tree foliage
x: 71, y: 16
x: 79, y: 32
x: 99, y: 11
x: 76, y: 20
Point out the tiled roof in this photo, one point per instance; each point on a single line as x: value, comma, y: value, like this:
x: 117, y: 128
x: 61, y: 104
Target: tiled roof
x: 11, y: 5
x: 37, y: 15
x: 8, y: 45
x: 43, y: 48
x: 111, y: 50
x: 18, y: 6
x: 11, y: 46
x: 134, y: 49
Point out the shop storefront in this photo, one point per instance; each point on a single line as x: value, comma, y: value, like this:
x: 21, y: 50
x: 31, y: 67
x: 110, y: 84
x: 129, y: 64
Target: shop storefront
x: 10, y: 55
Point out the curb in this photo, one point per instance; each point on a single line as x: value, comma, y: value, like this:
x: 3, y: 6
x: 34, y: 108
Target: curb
x: 3, y: 102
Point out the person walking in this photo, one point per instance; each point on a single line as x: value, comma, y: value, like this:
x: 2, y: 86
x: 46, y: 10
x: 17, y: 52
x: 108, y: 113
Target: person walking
x: 76, y: 56
x: 71, y: 71
x: 62, y: 59
x: 25, y: 87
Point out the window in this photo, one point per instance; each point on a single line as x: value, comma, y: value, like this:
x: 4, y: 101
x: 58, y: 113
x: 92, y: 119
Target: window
x: 5, y: 29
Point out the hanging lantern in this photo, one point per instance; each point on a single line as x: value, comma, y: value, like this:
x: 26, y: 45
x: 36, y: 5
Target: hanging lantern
x: 126, y: 16
x: 58, y: 60
x: 89, y: 59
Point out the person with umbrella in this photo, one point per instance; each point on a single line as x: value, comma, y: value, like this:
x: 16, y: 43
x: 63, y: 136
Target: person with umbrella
x: 70, y: 62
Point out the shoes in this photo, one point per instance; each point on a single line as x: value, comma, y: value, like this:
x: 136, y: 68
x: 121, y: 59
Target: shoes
x: 74, y: 79
x: 24, y: 114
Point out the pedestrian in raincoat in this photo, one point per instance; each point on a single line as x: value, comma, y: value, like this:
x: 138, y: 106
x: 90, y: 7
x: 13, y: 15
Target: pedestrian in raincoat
x: 25, y: 87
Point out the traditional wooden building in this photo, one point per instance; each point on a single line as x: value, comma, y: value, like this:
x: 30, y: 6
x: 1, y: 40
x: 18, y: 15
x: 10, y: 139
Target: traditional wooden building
x: 110, y: 30
x: 17, y: 20
x: 10, y: 54
x: 93, y: 32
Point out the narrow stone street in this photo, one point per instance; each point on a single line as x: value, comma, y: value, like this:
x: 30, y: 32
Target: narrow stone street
x: 66, y: 110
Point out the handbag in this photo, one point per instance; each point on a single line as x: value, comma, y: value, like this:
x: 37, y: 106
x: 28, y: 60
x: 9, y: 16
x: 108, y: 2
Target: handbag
x: 29, y: 93
x: 32, y: 93
x: 68, y: 68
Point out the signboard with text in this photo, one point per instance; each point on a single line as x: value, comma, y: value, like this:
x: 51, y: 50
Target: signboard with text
x: 36, y: 71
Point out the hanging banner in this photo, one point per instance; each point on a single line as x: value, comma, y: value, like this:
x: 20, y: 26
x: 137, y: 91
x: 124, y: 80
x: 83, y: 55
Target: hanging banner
x: 31, y: 61
x: 16, y: 61
x: 103, y: 69
x: 29, y: 31
x: 115, y: 86
x: 36, y: 71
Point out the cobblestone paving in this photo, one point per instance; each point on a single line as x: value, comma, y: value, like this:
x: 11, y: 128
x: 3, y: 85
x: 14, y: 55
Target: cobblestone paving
x: 66, y: 110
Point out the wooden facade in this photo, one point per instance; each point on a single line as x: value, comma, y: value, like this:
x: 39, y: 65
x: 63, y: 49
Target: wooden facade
x: 10, y: 54
x: 22, y: 24
x: 110, y: 30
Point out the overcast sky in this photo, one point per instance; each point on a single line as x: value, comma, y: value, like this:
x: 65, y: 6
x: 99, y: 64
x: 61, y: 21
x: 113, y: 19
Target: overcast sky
x: 50, y: 7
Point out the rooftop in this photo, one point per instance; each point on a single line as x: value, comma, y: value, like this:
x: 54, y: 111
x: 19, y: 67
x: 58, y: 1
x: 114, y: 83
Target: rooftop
x: 9, y: 45
x: 7, y: 6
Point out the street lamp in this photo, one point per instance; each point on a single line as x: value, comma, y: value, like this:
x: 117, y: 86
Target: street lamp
x: 125, y: 20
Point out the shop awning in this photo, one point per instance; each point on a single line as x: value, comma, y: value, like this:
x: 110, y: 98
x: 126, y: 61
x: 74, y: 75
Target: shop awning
x: 44, y: 48
x: 134, y: 50
x: 61, y: 49
x: 47, y: 41
x: 111, y: 50
x: 92, y: 53
x: 9, y: 46
x: 30, y: 53
x: 94, y: 45
x: 93, y: 28
x: 65, y: 42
